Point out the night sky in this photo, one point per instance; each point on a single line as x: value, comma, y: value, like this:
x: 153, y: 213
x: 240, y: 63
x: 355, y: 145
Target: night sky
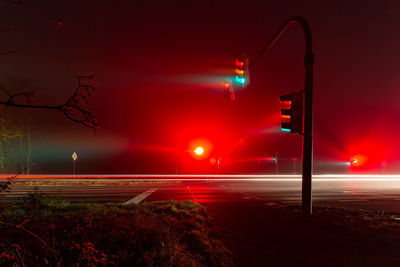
x: 161, y: 65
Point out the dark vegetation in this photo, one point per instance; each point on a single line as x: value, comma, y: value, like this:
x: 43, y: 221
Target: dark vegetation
x: 46, y: 230
x: 364, y: 225
x: 279, y: 235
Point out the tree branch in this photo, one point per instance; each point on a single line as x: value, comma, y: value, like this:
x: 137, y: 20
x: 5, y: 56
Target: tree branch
x: 5, y: 186
x: 60, y: 23
x: 5, y: 30
x: 7, y: 53
x: 76, y: 108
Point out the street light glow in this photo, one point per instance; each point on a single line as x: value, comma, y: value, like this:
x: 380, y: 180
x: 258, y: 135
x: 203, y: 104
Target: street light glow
x: 199, y: 151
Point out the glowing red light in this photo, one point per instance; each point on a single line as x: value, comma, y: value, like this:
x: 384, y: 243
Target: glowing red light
x: 286, y: 104
x: 225, y: 84
x: 239, y: 63
x: 358, y: 161
x: 199, y: 151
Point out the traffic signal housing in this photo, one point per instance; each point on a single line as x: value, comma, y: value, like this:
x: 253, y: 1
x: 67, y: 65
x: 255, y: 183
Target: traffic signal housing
x: 292, y: 112
x: 239, y: 79
x: 241, y: 71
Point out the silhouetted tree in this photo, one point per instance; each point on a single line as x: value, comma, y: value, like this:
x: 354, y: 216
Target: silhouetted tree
x: 76, y: 108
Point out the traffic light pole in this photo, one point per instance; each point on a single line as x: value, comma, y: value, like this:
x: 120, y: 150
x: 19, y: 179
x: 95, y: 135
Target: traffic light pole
x: 308, y: 114
x: 308, y: 105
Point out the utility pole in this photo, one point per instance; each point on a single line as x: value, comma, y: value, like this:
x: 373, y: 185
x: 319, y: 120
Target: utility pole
x: 294, y: 159
x: 276, y: 163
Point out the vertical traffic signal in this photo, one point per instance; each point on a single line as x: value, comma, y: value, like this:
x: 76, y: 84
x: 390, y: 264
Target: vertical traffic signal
x: 239, y: 79
x: 292, y: 112
x: 241, y: 71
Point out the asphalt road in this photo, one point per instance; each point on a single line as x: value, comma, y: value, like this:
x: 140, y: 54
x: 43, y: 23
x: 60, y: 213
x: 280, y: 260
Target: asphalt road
x: 370, y: 192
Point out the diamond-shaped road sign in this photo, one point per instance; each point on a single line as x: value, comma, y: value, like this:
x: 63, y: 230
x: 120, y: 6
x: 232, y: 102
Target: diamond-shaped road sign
x: 74, y: 156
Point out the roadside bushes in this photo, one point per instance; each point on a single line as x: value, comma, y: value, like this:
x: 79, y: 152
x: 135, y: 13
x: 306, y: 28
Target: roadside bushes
x: 57, y: 232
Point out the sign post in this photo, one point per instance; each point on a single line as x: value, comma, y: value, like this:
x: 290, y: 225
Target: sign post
x: 74, y: 157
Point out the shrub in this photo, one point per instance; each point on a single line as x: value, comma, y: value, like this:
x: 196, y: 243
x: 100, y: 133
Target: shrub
x: 165, y: 233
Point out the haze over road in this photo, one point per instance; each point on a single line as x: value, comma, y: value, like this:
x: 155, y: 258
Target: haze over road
x: 370, y: 192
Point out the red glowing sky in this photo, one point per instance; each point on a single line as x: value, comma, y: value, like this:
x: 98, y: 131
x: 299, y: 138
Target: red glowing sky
x: 161, y: 64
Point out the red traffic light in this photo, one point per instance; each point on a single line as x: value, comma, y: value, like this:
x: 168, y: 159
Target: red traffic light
x: 239, y: 63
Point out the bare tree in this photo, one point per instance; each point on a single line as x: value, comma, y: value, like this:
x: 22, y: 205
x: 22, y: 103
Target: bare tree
x: 76, y: 108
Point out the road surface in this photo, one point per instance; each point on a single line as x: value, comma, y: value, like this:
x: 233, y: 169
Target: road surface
x: 370, y: 192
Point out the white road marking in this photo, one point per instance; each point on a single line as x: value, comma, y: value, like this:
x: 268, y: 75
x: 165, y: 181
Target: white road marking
x: 274, y: 204
x: 352, y: 200
x: 141, y: 197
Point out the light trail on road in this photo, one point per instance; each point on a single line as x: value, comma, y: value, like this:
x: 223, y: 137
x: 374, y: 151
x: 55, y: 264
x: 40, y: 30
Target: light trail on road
x: 364, y: 191
x: 216, y: 177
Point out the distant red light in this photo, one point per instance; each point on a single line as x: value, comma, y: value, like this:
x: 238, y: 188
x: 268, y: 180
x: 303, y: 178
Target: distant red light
x: 199, y: 151
x: 358, y: 161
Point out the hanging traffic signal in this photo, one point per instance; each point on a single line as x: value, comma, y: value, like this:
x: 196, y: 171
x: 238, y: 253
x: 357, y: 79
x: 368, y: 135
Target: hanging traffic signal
x: 239, y: 79
x: 292, y: 112
x: 241, y: 71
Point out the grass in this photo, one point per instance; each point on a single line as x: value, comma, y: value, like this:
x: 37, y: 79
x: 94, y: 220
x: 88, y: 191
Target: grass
x: 361, y: 224
x: 45, y: 230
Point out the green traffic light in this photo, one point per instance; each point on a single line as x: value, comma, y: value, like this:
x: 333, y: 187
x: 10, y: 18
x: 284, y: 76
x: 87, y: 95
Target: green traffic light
x: 240, y: 80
